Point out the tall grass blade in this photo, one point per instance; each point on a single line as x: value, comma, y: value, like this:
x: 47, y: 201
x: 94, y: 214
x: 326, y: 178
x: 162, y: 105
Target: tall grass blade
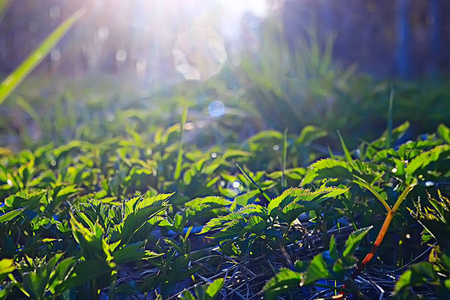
x: 348, y: 156
x: 254, y: 182
x: 330, y: 152
x: 389, y: 124
x: 283, y: 160
x: 32, y: 61
x: 180, y: 144
x: 29, y: 110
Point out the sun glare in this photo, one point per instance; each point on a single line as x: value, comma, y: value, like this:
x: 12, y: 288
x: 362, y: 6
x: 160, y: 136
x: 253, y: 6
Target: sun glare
x: 201, y: 27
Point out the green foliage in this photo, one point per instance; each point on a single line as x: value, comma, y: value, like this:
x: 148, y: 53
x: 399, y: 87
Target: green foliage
x: 83, y: 206
x: 327, y: 265
x: 208, y: 291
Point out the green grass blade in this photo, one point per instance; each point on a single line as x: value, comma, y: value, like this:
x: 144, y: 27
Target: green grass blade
x: 330, y: 152
x: 389, y: 124
x: 29, y: 110
x: 254, y: 182
x: 38, y: 54
x: 348, y: 156
x: 283, y: 160
x: 180, y: 144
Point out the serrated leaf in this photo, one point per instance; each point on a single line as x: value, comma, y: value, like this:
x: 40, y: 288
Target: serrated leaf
x: 11, y: 214
x: 317, y: 270
x: 255, y: 224
x: 354, y: 240
x: 298, y: 197
x: 444, y: 132
x: 6, y: 267
x: 213, y: 201
x: 134, y: 222
x: 132, y: 252
x: 420, y: 273
x: 85, y: 271
x: 310, y: 133
x: 268, y: 134
x: 283, y: 281
x: 186, y: 295
x: 327, y: 168
x: 234, y: 153
x: 61, y: 273
x: 35, y: 282
x: 243, y: 200
x: 333, y: 249
x: 427, y: 157
x: 213, y: 289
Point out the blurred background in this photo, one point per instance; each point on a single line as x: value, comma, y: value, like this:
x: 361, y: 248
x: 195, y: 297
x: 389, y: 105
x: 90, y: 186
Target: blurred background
x: 266, y: 64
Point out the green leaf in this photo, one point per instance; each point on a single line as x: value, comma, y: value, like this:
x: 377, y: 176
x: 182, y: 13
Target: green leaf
x: 317, y: 270
x: 28, y: 65
x: 284, y: 281
x: 235, y: 153
x: 301, y: 199
x: 86, y: 271
x: 138, y: 212
x: 419, y: 274
x: 6, y: 267
x: 354, y: 239
x: 255, y: 224
x: 268, y: 134
x: 61, y: 273
x: 333, y: 249
x: 186, y: 295
x: 11, y: 214
x: 310, y: 133
x: 426, y: 158
x: 132, y: 252
x: 244, y: 199
x: 134, y: 222
x: 36, y: 282
x: 213, y: 289
x: 444, y: 132
x: 327, y: 168
x: 212, y: 201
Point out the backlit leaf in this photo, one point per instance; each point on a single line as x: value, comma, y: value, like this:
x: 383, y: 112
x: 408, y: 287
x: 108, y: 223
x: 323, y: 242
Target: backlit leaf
x: 354, y: 240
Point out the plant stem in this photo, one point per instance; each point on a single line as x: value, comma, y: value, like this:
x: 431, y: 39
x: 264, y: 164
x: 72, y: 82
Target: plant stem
x: 365, y: 184
x: 376, y: 245
x: 384, y: 228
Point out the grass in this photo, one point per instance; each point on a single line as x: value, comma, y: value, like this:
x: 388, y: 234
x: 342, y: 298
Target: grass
x: 99, y: 203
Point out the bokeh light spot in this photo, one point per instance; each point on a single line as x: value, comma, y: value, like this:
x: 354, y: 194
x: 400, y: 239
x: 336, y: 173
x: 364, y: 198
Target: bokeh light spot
x: 103, y: 32
x: 216, y: 108
x: 55, y: 55
x: 121, y: 55
x: 54, y: 12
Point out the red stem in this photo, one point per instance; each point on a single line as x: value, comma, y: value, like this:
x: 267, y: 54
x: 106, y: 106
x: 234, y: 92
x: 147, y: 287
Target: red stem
x: 376, y: 245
